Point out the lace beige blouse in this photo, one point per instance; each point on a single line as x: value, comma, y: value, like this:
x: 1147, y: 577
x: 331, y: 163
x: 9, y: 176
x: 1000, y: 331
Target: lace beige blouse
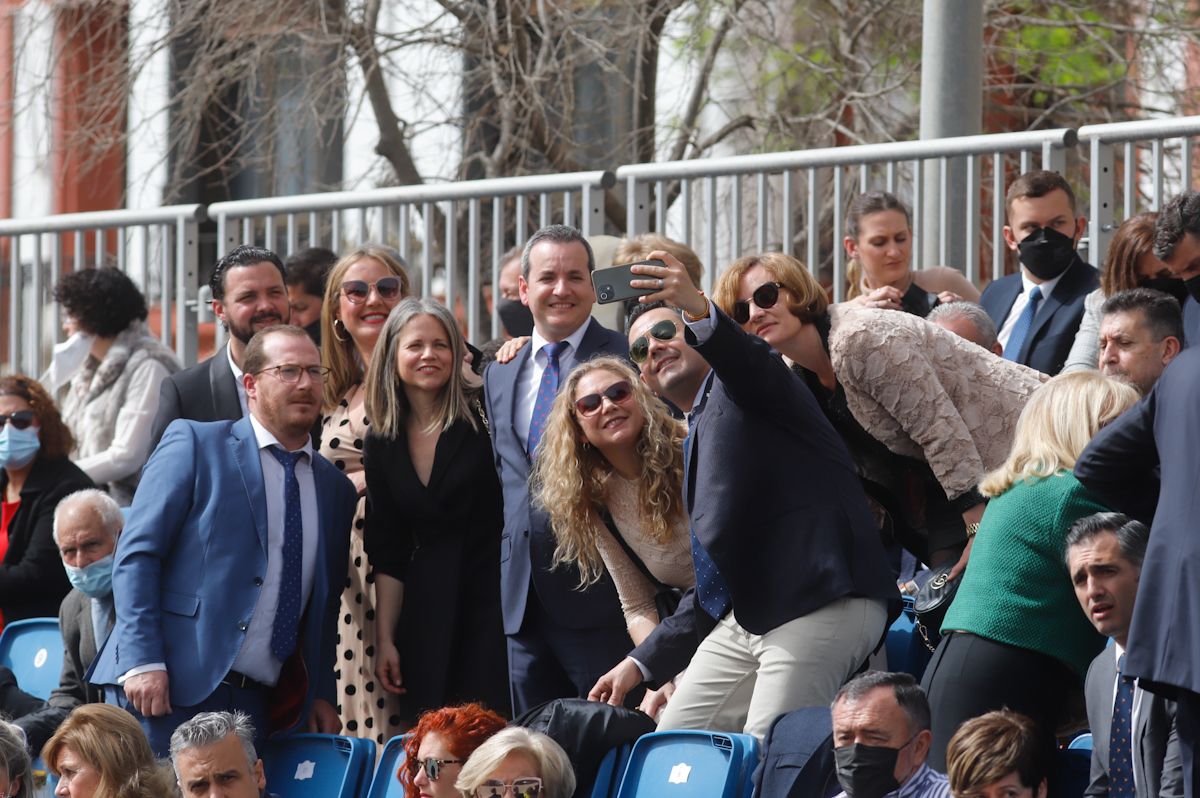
x: 926, y: 393
x: 671, y: 564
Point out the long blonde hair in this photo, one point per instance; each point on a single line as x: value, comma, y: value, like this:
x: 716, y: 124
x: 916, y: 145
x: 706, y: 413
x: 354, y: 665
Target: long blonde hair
x: 384, y: 399
x: 338, y: 352
x: 1056, y: 424
x: 569, y: 475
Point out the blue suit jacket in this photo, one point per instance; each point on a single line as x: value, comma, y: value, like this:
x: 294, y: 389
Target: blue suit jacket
x: 1191, y: 322
x: 1053, y: 331
x: 191, y: 560
x: 527, y: 543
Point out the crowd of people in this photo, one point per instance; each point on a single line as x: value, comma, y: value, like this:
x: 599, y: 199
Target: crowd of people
x: 351, y: 519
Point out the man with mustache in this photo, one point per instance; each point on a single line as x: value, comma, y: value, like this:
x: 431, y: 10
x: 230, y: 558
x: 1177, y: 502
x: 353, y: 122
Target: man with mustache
x: 248, y: 294
x: 227, y: 576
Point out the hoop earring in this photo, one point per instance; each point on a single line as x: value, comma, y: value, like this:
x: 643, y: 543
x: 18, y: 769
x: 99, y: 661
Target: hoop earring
x: 336, y: 322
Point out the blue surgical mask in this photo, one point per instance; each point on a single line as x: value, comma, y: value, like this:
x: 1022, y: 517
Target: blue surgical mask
x: 93, y: 580
x: 18, y: 447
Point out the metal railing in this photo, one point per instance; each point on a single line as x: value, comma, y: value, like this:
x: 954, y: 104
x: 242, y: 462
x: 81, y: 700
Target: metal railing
x: 855, y: 169
x: 158, y: 248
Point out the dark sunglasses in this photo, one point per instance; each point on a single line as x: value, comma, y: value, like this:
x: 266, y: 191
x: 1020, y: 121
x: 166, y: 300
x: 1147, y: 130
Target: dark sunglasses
x: 618, y: 393
x: 433, y: 767
x: 765, y: 296
x: 530, y: 787
x: 20, y: 419
x: 663, y: 330
x: 357, y: 291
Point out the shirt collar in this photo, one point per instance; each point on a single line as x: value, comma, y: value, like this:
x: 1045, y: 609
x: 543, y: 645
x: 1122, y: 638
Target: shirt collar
x: 237, y: 372
x: 915, y: 783
x: 1047, y: 287
x: 573, y: 340
x: 264, y: 439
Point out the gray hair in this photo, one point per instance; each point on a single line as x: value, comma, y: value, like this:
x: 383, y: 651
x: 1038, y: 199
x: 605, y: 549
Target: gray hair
x: 99, y: 502
x: 208, y: 728
x: 554, y: 768
x: 979, y: 318
x: 907, y: 692
x: 14, y: 757
x: 559, y: 234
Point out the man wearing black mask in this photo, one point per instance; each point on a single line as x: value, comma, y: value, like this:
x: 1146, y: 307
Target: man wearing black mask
x: 1177, y: 243
x: 881, y: 739
x: 1038, y: 310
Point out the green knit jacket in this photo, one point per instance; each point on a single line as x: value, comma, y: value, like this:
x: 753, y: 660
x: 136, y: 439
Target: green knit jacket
x: 1016, y: 589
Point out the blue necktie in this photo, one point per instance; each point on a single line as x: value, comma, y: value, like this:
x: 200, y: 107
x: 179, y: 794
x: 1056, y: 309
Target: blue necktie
x: 287, y: 610
x: 1020, y: 330
x: 1120, y: 754
x: 547, y: 390
x: 712, y: 594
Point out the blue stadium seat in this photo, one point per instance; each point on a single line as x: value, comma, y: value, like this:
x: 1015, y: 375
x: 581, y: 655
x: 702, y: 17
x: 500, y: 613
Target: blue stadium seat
x: 33, y: 651
x: 385, y: 784
x: 318, y: 766
x: 1081, y: 743
x: 683, y: 764
x: 612, y: 768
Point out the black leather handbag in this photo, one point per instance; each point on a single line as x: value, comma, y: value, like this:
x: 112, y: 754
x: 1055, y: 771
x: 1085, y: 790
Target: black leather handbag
x: 933, y: 601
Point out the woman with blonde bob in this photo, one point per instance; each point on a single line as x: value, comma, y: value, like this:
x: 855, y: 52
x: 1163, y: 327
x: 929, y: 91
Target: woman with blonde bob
x: 998, y: 755
x: 1014, y: 636
x: 363, y: 287
x: 924, y: 413
x: 517, y: 762
x: 434, y: 519
x: 100, y: 751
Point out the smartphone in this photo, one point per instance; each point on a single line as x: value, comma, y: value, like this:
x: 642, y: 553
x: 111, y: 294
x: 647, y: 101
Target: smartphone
x: 612, y: 284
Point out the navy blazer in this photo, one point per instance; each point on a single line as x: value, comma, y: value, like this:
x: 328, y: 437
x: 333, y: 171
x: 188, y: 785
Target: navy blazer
x: 527, y: 542
x: 206, y: 391
x: 190, y: 563
x: 775, y: 499
x: 1160, y: 434
x: 1053, y: 332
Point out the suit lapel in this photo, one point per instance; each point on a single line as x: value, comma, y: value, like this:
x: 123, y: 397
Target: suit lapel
x: 224, y: 388
x: 245, y: 453
x: 506, y: 385
x: 1050, y: 306
x: 449, y: 442
x: 1009, y: 293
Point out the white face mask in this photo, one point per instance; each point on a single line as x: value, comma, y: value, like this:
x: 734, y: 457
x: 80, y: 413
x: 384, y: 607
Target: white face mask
x: 69, y: 357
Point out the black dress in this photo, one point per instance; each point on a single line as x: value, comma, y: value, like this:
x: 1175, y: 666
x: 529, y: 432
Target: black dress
x: 442, y: 540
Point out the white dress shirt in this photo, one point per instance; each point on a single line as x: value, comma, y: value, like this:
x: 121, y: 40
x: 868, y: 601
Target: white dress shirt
x: 530, y: 378
x: 237, y: 380
x: 1010, y: 321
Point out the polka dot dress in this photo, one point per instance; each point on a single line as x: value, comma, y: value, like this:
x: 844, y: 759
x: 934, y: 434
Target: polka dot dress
x: 366, y: 709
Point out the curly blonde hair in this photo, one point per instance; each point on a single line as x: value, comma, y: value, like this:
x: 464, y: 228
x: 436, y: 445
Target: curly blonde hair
x: 569, y: 475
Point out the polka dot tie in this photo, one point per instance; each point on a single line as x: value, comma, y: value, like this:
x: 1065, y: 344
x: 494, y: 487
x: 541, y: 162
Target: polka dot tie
x: 712, y: 593
x: 547, y: 390
x: 287, y: 610
x: 1120, y: 756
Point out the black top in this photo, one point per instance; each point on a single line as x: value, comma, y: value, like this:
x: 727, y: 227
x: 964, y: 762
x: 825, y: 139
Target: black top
x: 918, y: 301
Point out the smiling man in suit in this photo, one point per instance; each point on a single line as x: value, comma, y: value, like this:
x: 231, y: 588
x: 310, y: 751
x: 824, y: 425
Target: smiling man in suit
x: 560, y: 639
x: 1038, y: 310
x: 1104, y: 554
x: 228, y: 574
x: 248, y: 295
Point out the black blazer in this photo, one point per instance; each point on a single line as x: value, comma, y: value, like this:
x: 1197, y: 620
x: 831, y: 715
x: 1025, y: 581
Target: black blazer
x: 32, y: 580
x: 205, y: 392
x: 443, y: 542
x: 1053, y: 332
x: 527, y: 544
x: 1158, y: 435
x: 774, y: 498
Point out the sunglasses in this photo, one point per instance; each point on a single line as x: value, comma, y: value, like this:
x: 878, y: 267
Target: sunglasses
x: 618, y: 393
x: 357, y: 291
x: 433, y: 767
x: 765, y: 296
x: 663, y: 330
x: 521, y: 788
x: 20, y: 419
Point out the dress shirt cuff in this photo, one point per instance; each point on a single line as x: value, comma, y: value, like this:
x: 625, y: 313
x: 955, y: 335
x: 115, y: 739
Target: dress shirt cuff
x: 704, y: 328
x: 140, y: 669
x: 645, y: 671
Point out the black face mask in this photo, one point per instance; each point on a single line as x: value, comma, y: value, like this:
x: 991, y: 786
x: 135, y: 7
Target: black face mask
x: 1046, y: 253
x: 867, y: 771
x: 515, y: 317
x: 1172, y: 286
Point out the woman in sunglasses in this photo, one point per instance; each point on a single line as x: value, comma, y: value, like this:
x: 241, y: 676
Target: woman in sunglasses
x: 35, y: 474
x: 439, y: 745
x: 517, y: 763
x: 880, y: 274
x: 612, y: 452
x: 362, y: 289
x: 924, y: 413
x: 434, y: 518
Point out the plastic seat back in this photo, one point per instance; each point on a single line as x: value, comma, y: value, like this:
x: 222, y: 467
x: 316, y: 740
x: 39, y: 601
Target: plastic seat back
x: 385, y: 783
x: 33, y: 650
x: 318, y: 766
x: 1081, y: 743
x: 687, y: 764
x: 612, y: 768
